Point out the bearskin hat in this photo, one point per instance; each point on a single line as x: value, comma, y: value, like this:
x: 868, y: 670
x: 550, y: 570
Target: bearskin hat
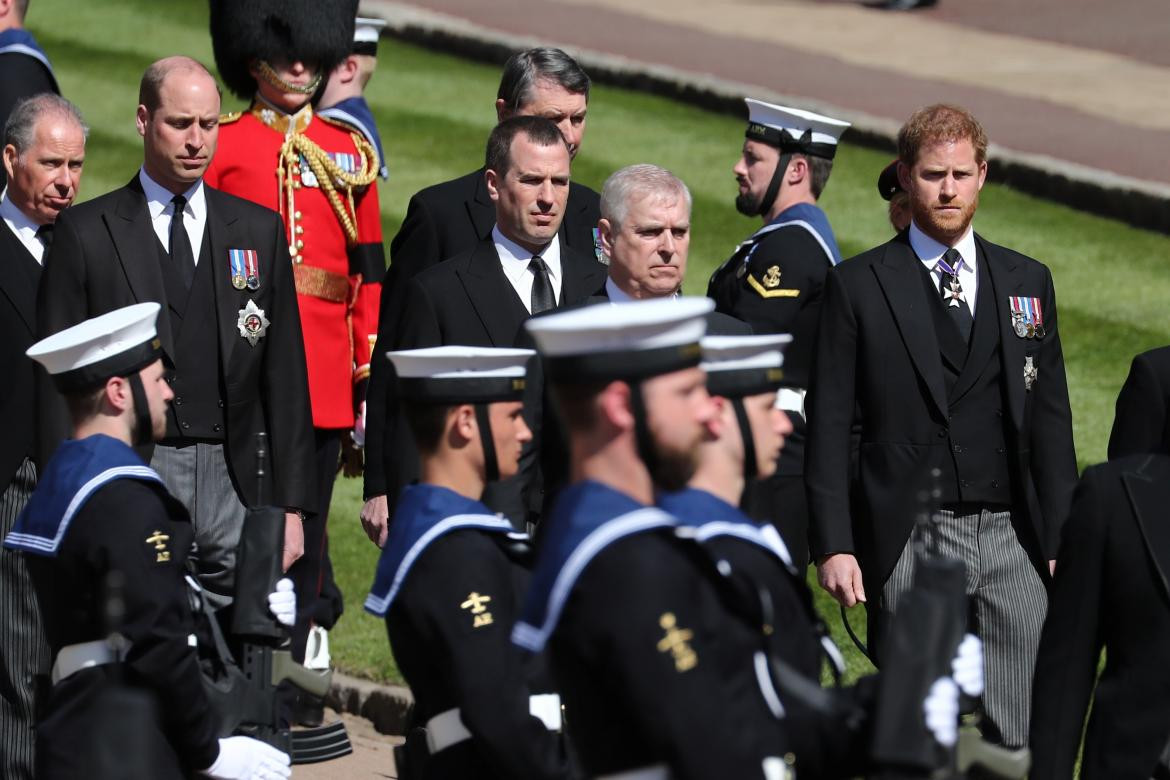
x: 316, y: 31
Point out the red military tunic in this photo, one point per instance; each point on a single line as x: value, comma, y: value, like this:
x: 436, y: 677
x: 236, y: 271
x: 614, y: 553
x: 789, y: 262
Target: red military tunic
x: 335, y: 239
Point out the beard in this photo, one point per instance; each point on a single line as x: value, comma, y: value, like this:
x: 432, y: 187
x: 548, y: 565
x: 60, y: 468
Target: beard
x: 747, y: 204
x: 947, y: 226
x: 673, y: 468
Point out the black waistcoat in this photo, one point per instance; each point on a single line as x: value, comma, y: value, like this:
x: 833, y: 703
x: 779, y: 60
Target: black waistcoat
x: 197, y: 410
x: 975, y: 467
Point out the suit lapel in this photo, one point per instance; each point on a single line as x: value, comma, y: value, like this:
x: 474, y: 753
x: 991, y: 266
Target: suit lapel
x: 491, y: 295
x: 481, y: 210
x: 220, y: 235
x: 581, y: 276
x: 131, y: 231
x: 1149, y: 499
x: 985, y: 331
x: 18, y: 281
x: 1006, y: 279
x: 900, y: 279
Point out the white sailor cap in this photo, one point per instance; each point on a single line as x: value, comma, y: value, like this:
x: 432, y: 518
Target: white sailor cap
x: 793, y: 129
x: 632, y: 341
x: 117, y: 343
x: 738, y: 366
x: 461, y: 375
x: 365, y: 35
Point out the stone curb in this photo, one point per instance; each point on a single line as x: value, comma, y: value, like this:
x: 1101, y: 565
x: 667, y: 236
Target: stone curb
x: 385, y: 706
x: 1137, y: 202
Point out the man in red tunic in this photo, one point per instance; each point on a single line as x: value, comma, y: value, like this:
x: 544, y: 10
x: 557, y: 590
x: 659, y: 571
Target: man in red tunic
x: 319, y: 174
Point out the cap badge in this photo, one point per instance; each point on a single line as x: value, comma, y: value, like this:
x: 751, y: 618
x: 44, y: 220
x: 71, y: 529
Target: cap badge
x: 252, y: 323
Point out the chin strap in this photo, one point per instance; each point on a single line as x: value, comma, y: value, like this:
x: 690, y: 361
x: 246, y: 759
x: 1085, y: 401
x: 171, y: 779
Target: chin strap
x: 144, y: 427
x: 273, y: 78
x: 491, y: 467
x: 750, y: 467
x: 642, y: 438
x: 778, y: 175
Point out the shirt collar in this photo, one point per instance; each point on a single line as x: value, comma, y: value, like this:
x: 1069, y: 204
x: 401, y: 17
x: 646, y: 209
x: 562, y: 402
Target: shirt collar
x: 509, y: 250
x: 280, y: 121
x: 929, y: 250
x: 158, y: 197
x: 618, y: 295
x: 19, y: 221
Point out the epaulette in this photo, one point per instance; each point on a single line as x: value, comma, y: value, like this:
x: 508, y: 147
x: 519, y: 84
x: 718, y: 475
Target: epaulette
x: 229, y: 117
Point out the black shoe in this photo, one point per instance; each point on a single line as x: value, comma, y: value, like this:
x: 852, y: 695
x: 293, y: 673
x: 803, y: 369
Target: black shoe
x: 906, y: 5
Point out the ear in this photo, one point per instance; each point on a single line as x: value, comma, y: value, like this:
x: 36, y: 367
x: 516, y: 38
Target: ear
x: 716, y: 426
x: 118, y: 394
x: 141, y: 118
x: 904, y: 175
x: 982, y: 173
x: 605, y: 230
x: 797, y: 169
x: 615, y: 405
x: 349, y: 69
x: 492, y: 180
x: 463, y: 424
x: 10, y: 155
x: 502, y: 111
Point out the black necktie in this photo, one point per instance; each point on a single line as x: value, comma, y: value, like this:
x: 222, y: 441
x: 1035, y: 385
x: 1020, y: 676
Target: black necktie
x: 45, y: 234
x: 181, y: 254
x: 542, y: 292
x: 952, y: 292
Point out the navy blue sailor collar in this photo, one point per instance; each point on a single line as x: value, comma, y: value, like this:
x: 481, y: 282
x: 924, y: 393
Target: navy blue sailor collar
x: 809, y: 217
x: 425, y: 513
x: 587, y: 518
x: 16, y: 40
x: 356, y: 111
x: 76, y: 471
x: 702, y: 515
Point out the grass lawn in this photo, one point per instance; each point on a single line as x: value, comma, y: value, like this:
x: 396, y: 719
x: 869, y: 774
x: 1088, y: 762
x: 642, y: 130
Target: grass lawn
x: 435, y: 113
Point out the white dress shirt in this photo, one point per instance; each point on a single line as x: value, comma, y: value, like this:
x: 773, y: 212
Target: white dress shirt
x: 158, y: 204
x: 930, y: 252
x: 514, y: 259
x: 24, y: 228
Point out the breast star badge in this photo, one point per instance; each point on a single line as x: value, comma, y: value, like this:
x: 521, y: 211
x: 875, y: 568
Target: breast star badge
x: 252, y: 323
x: 475, y: 602
x: 677, y: 643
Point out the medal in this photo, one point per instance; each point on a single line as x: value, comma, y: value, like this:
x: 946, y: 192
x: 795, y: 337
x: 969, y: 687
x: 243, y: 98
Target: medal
x: 252, y: 268
x: 1019, y: 325
x: 236, y: 267
x: 252, y: 323
x: 1031, y: 373
x: 1027, y: 317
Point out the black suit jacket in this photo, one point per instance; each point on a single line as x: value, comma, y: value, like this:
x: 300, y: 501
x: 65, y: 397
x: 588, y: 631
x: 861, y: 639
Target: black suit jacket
x: 877, y: 349
x: 1110, y: 592
x: 105, y: 256
x: 21, y: 76
x: 1141, y: 423
x: 30, y: 409
x: 443, y: 221
x: 468, y: 300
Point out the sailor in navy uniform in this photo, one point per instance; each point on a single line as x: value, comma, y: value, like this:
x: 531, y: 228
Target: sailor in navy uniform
x: 659, y: 679
x: 343, y: 99
x: 99, y: 509
x: 774, y: 280
x: 452, y: 574
x: 827, y: 738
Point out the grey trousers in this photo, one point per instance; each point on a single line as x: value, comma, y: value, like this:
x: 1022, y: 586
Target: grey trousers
x: 197, y: 475
x: 1008, y: 603
x: 24, y: 650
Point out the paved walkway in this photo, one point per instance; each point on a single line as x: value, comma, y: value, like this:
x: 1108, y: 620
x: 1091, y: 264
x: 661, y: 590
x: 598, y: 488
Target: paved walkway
x: 1081, y: 81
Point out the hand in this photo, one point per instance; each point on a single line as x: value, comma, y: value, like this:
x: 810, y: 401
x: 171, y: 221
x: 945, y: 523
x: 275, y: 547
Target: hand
x: 244, y: 758
x: 941, y: 709
x: 294, y: 539
x: 967, y: 666
x: 282, y: 602
x: 352, y: 458
x: 376, y: 519
x: 359, y: 427
x: 840, y: 575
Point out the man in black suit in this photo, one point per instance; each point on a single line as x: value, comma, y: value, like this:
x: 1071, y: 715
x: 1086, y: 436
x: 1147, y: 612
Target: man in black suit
x: 948, y: 345
x: 166, y: 237
x: 453, y: 217
x: 1110, y: 593
x: 1141, y: 423
x: 44, y: 149
x: 24, y: 67
x: 482, y: 297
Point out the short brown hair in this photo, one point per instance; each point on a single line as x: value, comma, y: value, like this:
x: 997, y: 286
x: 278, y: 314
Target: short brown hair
x: 537, y: 129
x: 427, y: 422
x: 150, y: 88
x: 940, y: 123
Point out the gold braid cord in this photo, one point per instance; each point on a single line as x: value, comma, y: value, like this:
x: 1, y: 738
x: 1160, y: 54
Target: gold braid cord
x: 329, y: 175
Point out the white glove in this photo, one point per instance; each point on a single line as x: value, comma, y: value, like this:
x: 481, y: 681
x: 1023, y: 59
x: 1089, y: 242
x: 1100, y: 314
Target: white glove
x: 967, y: 666
x: 941, y: 709
x: 359, y: 428
x: 282, y: 602
x: 244, y: 758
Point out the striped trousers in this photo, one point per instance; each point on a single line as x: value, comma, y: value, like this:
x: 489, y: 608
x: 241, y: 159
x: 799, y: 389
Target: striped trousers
x: 24, y: 650
x: 1008, y: 604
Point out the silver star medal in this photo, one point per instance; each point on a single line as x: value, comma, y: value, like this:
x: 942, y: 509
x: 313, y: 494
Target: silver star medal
x: 1030, y: 373
x: 953, y: 292
x: 252, y: 323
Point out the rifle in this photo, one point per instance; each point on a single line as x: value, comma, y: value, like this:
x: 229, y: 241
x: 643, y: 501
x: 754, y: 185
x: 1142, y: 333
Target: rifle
x: 246, y: 692
x: 923, y: 638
